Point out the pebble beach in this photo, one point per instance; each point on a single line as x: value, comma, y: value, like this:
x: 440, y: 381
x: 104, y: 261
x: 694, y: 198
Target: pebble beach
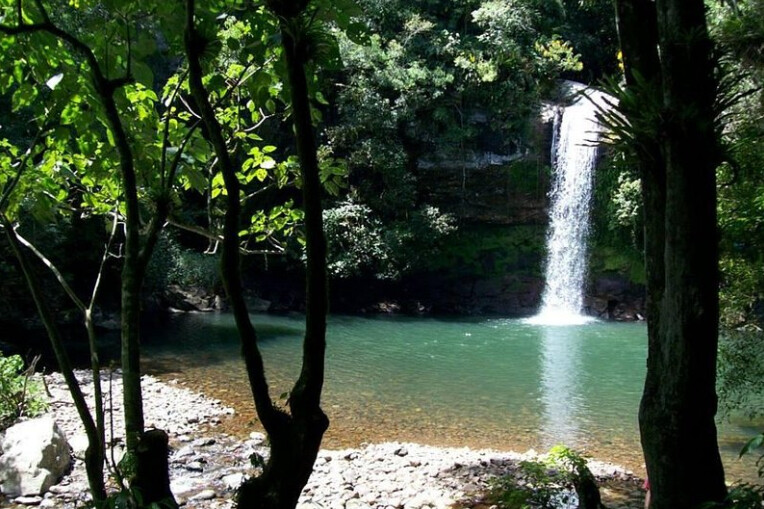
x: 207, y: 464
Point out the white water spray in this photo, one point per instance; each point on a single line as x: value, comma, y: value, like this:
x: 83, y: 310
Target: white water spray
x: 574, y: 156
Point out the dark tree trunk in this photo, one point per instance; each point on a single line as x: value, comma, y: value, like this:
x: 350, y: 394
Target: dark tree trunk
x: 294, y: 438
x: 152, y: 468
x: 677, y: 155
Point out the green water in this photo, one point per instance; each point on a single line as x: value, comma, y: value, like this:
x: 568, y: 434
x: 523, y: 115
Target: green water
x: 496, y: 383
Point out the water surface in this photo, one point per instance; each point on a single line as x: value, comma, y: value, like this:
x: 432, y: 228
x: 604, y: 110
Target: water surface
x: 496, y: 383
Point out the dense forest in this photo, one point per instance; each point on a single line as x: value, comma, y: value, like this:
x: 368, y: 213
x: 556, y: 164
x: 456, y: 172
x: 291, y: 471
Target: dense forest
x: 380, y: 156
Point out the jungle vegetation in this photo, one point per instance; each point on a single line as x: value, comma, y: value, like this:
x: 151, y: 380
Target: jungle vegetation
x: 148, y: 132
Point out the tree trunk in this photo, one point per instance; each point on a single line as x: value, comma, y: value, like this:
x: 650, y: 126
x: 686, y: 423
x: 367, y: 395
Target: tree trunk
x: 295, y: 439
x: 295, y: 444
x: 677, y: 155
x: 94, y: 454
x: 133, y: 273
x: 684, y: 464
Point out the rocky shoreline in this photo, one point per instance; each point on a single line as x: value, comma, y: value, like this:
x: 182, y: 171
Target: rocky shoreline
x: 207, y: 465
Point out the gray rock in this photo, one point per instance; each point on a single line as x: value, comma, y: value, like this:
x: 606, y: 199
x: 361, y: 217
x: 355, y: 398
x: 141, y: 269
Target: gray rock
x: 28, y: 500
x: 233, y: 481
x: 309, y: 504
x: 34, y: 455
x: 257, y: 437
x: 257, y: 305
x: 194, y: 466
x: 204, y: 495
x: 354, y: 503
x: 79, y: 444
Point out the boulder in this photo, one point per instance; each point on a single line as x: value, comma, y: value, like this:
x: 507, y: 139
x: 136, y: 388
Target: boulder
x: 34, y: 455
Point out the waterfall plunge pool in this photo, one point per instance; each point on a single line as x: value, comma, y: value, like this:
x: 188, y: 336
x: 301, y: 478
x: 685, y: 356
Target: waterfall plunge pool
x: 477, y: 382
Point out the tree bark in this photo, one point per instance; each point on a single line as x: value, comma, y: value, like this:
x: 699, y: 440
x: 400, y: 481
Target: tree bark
x: 677, y: 154
x: 295, y: 445
x: 685, y: 468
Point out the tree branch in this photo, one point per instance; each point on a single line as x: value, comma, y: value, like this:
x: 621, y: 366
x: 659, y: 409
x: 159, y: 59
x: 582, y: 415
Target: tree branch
x: 266, y: 410
x: 207, y: 234
x: 59, y: 277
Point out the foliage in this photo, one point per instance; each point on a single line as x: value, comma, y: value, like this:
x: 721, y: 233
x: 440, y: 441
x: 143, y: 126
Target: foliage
x: 740, y: 372
x: 440, y: 81
x: 20, y: 395
x: 173, y: 264
x: 542, y: 484
x: 131, y: 498
x: 492, y: 250
x: 737, y: 29
x: 360, y: 244
x: 756, y: 444
x: 746, y: 495
x: 355, y: 241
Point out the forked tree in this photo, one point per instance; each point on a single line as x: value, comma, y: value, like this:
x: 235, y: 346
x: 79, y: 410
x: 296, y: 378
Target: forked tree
x: 295, y: 436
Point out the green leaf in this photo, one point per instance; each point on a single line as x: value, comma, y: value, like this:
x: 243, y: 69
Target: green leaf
x: 261, y: 174
x: 752, y: 444
x: 320, y: 99
x: 196, y: 178
x: 143, y: 74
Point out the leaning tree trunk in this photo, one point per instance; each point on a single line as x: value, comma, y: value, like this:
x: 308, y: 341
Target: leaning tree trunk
x: 94, y: 454
x: 295, y: 438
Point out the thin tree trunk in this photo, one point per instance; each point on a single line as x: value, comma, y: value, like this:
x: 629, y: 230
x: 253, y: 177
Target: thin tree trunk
x: 135, y: 257
x: 94, y: 455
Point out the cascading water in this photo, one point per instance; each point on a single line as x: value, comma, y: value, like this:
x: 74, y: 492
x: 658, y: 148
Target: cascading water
x: 574, y: 155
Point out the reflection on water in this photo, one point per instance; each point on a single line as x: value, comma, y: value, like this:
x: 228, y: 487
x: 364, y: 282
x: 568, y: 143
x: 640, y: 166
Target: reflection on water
x: 502, y: 384
x: 560, y: 392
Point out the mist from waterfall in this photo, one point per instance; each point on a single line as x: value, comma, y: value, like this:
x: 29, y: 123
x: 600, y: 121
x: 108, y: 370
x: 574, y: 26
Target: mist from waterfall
x: 574, y: 156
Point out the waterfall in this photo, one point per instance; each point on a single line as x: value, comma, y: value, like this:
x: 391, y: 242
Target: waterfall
x: 574, y: 156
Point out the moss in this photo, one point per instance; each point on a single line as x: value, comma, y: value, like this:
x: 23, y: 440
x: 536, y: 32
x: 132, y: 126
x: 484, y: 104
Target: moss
x: 488, y: 250
x: 624, y: 260
x: 524, y: 177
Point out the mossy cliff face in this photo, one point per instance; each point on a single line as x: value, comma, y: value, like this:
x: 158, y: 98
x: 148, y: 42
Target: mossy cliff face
x: 485, y: 187
x: 494, y: 263
x: 496, y: 270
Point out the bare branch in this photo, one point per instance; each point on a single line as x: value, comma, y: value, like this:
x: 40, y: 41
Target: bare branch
x: 107, y: 247
x: 217, y: 238
x: 59, y: 277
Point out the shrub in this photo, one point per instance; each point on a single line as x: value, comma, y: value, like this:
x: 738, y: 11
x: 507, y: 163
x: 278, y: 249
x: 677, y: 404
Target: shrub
x: 745, y: 495
x: 360, y: 244
x: 546, y: 484
x: 172, y: 264
x: 19, y: 394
